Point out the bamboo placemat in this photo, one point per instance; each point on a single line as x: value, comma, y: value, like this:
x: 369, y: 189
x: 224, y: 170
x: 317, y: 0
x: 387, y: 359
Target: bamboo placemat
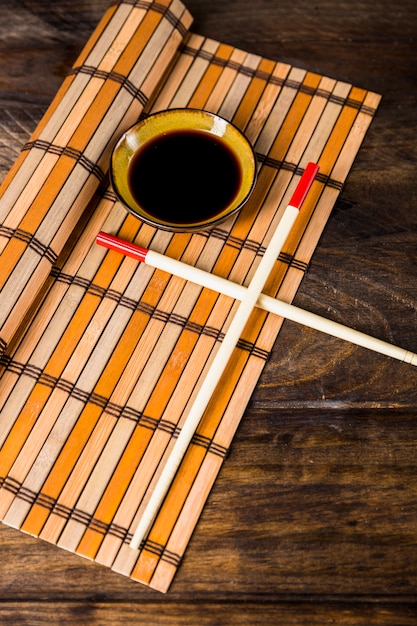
x: 102, y: 357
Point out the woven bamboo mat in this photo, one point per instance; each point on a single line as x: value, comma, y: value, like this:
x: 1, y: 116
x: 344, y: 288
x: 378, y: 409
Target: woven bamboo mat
x: 102, y: 357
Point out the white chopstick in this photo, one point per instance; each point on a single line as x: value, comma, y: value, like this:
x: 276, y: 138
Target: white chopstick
x: 223, y: 355
x: 267, y: 303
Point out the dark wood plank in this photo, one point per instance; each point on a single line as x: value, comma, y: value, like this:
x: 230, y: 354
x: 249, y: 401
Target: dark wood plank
x: 206, y: 614
x: 313, y: 517
x: 328, y: 507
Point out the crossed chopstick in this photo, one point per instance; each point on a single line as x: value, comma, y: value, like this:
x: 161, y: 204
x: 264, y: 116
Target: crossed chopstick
x: 249, y: 297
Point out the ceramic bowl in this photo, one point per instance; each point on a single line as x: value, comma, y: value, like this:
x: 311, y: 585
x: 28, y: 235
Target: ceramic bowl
x: 183, y: 169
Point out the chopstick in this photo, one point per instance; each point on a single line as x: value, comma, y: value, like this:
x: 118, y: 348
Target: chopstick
x: 249, y: 297
x: 223, y: 354
x: 267, y: 303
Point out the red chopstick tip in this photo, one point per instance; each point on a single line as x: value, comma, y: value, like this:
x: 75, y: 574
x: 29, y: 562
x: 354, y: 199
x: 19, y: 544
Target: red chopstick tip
x: 304, y: 185
x: 119, y: 245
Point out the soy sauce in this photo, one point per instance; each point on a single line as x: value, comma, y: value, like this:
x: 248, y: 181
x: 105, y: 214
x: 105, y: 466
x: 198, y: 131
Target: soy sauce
x: 184, y: 176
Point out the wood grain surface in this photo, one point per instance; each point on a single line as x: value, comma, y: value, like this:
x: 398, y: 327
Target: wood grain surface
x: 313, y: 517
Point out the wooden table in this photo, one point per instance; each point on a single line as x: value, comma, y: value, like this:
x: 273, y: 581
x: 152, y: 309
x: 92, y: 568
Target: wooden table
x: 313, y: 519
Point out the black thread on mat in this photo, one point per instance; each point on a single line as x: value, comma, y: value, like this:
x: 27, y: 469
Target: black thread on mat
x: 289, y: 260
x: 234, y: 65
x: 82, y: 517
x: 158, y: 8
x: 291, y: 167
x: 208, y: 444
x: 93, y: 398
x: 116, y: 411
x: 171, y: 557
x: 329, y: 182
x: 100, y: 401
x: 365, y: 108
x: 160, y: 551
x: 238, y: 243
x: 287, y: 82
x: 134, y: 305
x: 258, y: 249
x: 72, y: 153
x: 3, y: 345
x: 120, y: 533
x: 11, y: 485
x: 45, y: 501
x: 218, y: 450
x: 113, y: 76
x: 60, y: 510
x: 67, y: 513
x: 32, y: 242
x: 109, y: 194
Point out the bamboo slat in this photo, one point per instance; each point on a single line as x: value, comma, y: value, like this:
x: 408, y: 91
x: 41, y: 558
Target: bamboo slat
x: 100, y: 369
x: 44, y: 199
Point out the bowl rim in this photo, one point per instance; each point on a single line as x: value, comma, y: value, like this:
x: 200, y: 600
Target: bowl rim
x: 191, y: 226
